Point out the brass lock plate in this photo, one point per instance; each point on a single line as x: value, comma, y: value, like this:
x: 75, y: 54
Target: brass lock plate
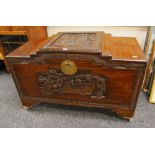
x: 68, y: 67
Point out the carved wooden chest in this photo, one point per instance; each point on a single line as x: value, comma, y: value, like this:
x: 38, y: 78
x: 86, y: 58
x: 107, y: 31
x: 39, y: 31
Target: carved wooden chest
x: 90, y: 69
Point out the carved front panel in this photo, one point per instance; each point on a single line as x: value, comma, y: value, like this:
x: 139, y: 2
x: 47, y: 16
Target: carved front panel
x: 54, y: 81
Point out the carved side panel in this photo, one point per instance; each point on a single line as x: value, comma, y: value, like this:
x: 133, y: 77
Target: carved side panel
x: 54, y: 81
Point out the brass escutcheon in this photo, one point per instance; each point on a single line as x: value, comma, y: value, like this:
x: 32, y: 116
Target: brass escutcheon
x: 68, y: 67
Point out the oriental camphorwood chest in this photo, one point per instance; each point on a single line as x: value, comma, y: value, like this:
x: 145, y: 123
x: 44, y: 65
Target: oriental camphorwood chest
x: 90, y: 69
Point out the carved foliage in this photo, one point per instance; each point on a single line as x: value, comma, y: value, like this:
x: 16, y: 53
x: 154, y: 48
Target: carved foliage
x: 82, y: 83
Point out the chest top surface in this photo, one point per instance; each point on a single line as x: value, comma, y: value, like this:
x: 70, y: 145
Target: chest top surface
x: 105, y: 45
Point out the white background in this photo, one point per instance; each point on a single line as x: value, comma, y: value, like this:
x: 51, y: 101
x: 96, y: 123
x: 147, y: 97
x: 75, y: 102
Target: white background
x: 78, y: 12
x: 77, y: 142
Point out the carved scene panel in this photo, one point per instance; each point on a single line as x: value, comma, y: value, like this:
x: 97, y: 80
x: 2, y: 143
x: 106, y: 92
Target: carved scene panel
x: 54, y: 81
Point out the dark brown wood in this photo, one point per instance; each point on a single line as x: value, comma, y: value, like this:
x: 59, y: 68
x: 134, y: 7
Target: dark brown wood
x: 125, y: 113
x: 27, y: 103
x: 108, y: 76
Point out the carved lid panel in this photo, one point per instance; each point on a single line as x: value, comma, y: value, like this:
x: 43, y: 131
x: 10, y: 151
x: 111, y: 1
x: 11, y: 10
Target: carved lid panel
x: 75, y: 41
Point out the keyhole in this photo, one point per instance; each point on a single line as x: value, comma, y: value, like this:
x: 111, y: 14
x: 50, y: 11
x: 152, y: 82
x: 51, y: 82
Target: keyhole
x: 68, y: 65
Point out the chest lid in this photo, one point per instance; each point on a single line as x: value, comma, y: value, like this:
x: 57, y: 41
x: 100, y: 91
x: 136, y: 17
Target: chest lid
x: 75, y: 42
